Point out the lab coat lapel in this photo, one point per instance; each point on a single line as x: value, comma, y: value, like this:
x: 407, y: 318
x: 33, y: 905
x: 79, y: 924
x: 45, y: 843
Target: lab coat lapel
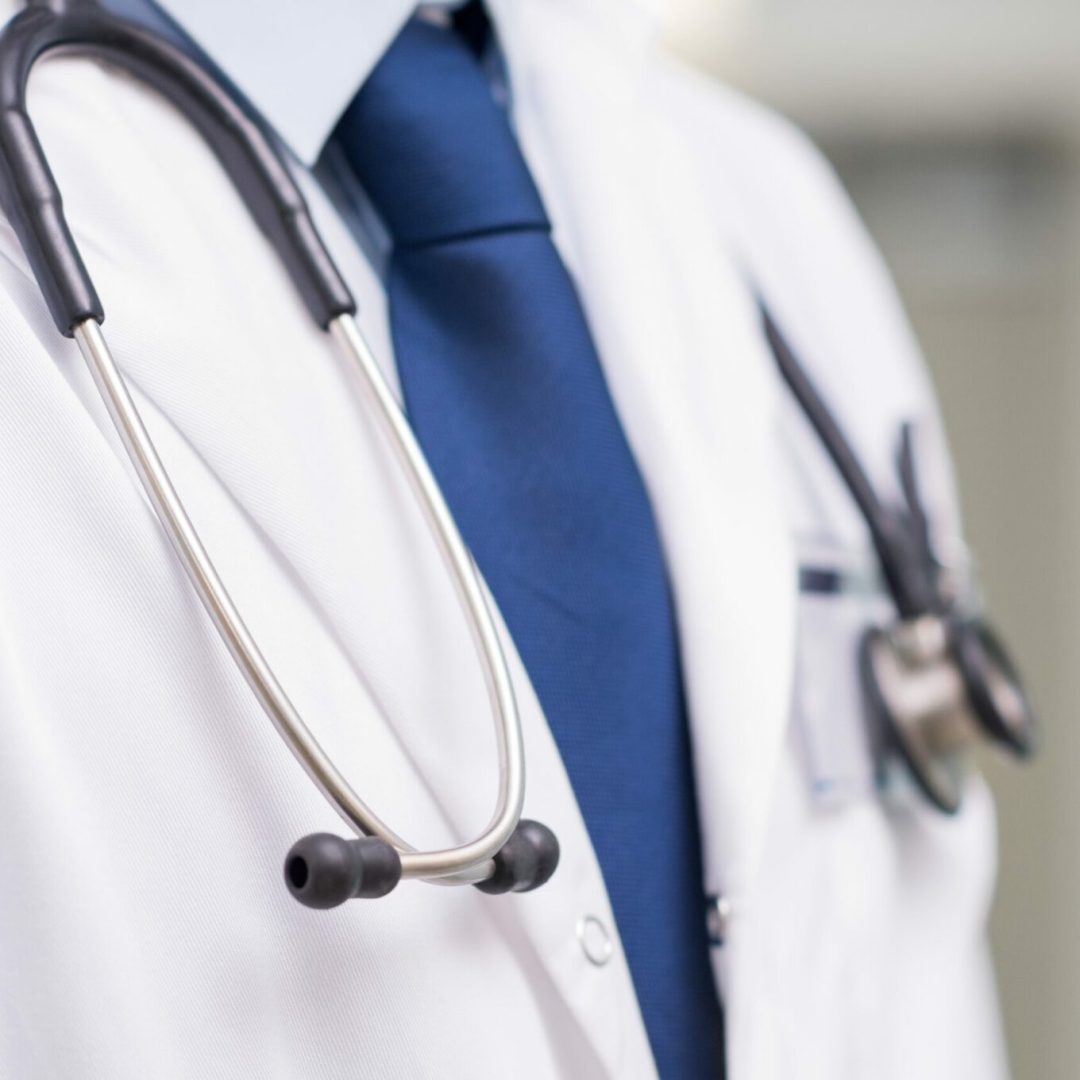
x: 678, y: 333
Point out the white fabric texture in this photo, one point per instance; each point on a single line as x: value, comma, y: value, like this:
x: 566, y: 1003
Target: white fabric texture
x: 145, y: 802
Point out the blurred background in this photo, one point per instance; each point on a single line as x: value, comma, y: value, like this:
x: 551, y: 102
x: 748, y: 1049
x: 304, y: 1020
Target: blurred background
x: 955, y: 125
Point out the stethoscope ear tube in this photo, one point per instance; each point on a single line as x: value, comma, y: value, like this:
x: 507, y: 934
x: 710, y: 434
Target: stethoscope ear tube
x: 321, y: 870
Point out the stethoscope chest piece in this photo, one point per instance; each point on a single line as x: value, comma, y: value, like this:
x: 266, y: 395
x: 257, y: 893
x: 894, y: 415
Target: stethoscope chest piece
x: 916, y: 700
x: 932, y: 684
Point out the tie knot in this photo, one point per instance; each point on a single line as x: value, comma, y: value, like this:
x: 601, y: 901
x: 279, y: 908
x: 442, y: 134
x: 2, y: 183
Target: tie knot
x: 433, y: 148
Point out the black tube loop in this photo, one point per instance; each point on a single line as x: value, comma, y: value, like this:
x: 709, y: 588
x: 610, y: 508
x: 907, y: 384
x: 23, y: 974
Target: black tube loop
x: 896, y: 536
x: 29, y: 195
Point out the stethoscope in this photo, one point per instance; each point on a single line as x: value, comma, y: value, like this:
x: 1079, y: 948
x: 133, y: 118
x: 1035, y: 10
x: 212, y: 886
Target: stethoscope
x: 938, y: 674
x: 321, y: 870
x: 932, y: 677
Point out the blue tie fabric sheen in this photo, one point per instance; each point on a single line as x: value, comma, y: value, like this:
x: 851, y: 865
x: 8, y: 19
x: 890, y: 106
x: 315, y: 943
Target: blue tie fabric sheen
x: 505, y: 391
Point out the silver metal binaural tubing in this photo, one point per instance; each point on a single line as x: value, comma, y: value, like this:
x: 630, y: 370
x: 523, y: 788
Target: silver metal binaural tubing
x: 470, y: 590
x: 465, y: 863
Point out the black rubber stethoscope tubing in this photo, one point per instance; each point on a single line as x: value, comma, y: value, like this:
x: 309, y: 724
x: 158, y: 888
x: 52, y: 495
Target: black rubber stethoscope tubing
x: 30, y: 198
x: 889, y: 533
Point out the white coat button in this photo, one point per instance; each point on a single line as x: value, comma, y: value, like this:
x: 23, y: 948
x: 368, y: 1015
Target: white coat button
x: 717, y: 919
x: 595, y: 940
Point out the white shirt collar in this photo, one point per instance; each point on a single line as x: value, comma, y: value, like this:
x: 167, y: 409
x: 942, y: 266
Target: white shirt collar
x: 298, y: 64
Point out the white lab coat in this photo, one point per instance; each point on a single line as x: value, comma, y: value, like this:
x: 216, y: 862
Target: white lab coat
x: 146, y: 803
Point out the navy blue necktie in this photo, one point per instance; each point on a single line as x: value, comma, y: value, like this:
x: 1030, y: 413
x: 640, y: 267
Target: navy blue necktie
x: 506, y: 394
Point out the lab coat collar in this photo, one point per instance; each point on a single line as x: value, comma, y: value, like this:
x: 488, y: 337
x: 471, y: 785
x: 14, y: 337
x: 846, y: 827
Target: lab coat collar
x: 301, y: 67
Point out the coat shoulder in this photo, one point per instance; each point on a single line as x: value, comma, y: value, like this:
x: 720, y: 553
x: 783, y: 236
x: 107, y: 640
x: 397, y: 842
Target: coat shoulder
x: 775, y: 195
x: 781, y: 210
x: 722, y: 118
x: 782, y: 213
